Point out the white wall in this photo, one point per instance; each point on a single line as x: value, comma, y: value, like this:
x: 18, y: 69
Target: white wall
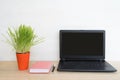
x: 47, y: 17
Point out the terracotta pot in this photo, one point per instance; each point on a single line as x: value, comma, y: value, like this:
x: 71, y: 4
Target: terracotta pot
x: 23, y: 60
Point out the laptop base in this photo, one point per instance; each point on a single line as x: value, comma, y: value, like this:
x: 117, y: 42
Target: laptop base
x: 85, y: 66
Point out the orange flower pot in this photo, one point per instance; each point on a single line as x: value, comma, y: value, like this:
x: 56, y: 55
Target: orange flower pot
x: 23, y: 60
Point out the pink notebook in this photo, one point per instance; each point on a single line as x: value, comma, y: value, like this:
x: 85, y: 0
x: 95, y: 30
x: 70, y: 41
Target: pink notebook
x: 41, y: 67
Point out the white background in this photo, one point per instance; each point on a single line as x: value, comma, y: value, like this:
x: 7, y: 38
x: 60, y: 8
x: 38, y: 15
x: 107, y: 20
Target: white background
x: 47, y: 17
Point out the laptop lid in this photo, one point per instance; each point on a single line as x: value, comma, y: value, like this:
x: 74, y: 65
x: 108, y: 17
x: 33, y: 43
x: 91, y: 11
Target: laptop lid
x: 82, y: 44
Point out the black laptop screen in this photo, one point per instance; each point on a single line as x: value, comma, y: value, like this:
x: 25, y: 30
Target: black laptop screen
x: 82, y: 43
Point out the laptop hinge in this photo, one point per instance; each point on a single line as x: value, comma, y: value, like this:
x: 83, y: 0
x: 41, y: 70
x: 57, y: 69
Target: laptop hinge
x: 63, y: 59
x: 101, y: 60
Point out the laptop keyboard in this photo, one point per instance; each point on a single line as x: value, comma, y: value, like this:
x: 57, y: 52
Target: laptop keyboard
x: 83, y: 65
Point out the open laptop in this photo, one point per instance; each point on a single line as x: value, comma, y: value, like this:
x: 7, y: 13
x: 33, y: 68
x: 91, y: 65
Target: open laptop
x: 83, y: 50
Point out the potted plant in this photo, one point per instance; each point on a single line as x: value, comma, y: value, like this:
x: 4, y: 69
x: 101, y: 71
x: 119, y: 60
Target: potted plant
x: 22, y: 39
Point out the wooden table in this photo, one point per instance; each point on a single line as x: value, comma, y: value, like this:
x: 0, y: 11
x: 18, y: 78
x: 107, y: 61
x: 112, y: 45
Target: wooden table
x: 9, y: 71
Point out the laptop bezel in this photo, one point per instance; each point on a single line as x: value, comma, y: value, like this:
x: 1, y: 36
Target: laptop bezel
x: 62, y: 57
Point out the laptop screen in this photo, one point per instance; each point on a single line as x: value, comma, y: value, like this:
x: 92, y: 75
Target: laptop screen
x: 82, y: 44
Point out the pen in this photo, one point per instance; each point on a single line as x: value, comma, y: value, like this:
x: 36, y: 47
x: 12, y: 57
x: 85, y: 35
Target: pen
x: 53, y: 68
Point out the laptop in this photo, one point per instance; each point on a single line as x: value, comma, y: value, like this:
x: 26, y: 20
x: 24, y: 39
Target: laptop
x: 83, y: 50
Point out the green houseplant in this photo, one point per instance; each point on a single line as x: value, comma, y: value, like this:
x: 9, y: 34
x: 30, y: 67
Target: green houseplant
x: 22, y: 39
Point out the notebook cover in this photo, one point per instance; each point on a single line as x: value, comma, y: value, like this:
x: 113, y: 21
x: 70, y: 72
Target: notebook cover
x: 41, y: 67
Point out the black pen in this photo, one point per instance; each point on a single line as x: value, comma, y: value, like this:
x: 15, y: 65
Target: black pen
x: 53, y: 68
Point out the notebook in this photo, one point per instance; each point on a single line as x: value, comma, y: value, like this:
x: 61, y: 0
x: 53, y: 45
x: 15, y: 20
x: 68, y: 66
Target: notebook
x: 83, y: 50
x: 41, y: 67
